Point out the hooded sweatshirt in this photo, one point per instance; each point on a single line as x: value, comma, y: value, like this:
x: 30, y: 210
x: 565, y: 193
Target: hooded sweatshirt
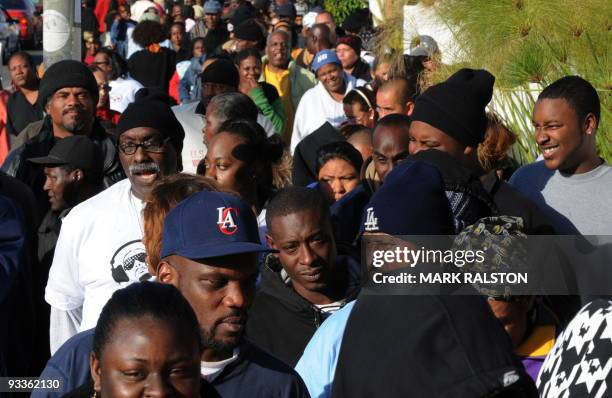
x: 281, y: 321
x: 427, y: 346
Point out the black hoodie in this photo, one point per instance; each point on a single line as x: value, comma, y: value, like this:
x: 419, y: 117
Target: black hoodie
x: 304, y: 169
x: 283, y: 322
x: 427, y: 346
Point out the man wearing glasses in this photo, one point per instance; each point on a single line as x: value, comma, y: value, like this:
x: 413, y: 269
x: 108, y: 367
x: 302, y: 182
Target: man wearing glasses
x: 99, y: 249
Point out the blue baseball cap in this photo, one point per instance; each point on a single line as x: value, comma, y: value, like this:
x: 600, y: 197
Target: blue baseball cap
x: 212, y: 7
x: 211, y: 224
x: 323, y: 58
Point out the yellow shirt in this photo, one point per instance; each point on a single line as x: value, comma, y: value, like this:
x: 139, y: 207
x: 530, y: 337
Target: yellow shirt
x: 281, y: 81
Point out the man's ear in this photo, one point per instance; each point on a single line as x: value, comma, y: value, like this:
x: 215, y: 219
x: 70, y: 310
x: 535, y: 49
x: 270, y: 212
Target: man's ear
x: 95, y: 371
x: 78, y: 175
x: 371, y: 114
x: 590, y: 124
x: 409, y: 108
x: 271, y: 243
x: 166, y: 273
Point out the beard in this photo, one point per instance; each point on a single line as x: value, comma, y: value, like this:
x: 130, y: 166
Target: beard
x: 75, y: 125
x: 210, y: 340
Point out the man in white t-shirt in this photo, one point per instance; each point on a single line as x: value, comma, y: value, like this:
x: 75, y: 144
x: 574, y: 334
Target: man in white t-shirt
x: 99, y: 249
x: 323, y: 102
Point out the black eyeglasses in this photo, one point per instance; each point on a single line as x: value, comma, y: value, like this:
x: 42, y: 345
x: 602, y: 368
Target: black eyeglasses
x: 153, y: 145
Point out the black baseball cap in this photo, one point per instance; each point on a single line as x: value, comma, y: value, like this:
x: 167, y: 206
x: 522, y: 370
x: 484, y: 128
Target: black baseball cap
x: 78, y: 152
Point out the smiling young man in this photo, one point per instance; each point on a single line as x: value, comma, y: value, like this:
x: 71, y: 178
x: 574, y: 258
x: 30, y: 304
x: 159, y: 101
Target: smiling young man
x: 306, y: 281
x: 99, y: 249
x: 572, y: 185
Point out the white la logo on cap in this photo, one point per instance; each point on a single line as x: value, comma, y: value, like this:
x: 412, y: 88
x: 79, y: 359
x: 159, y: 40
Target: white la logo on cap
x: 322, y: 57
x: 371, y: 223
x: 226, y: 222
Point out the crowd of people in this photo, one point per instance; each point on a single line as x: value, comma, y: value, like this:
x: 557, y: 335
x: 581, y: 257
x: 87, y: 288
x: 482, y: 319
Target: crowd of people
x: 182, y: 213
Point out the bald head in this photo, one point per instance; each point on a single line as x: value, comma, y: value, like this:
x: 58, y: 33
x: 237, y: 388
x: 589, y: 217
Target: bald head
x: 396, y: 96
x: 319, y: 38
x: 390, y: 143
x: 327, y: 19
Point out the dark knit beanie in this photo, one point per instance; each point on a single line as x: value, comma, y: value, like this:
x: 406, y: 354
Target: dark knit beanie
x: 67, y: 73
x: 457, y: 105
x: 249, y: 30
x: 222, y: 71
x: 156, y: 114
x: 352, y: 41
x: 412, y: 201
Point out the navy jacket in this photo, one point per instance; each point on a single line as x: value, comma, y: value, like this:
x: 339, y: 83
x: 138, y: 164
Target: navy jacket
x: 255, y: 373
x: 346, y: 216
x: 12, y: 241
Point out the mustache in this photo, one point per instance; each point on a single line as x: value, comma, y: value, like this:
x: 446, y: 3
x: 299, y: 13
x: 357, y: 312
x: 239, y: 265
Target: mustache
x: 138, y: 168
x: 72, y: 108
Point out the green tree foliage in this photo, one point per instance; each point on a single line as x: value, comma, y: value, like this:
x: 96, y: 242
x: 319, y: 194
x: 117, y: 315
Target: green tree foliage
x: 340, y: 9
x: 527, y: 42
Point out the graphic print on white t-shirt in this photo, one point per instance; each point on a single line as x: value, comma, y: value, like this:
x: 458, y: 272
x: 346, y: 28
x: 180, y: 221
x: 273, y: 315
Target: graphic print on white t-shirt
x: 99, y: 251
x: 128, y: 263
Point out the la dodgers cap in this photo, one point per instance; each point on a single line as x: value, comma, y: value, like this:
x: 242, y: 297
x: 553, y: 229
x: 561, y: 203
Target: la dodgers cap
x: 211, y: 224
